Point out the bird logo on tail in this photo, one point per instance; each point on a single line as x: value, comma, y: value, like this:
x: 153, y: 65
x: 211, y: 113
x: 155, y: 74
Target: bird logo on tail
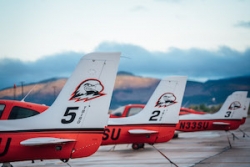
x: 87, y: 90
x: 165, y: 100
x: 234, y: 105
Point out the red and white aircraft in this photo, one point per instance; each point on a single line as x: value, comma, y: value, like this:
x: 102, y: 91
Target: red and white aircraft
x: 232, y: 114
x: 229, y: 117
x: 73, y: 126
x: 150, y: 126
x: 157, y: 121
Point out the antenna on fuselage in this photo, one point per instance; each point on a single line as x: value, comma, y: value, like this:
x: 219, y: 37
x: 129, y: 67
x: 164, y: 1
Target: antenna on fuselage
x: 186, y: 104
x: 28, y: 93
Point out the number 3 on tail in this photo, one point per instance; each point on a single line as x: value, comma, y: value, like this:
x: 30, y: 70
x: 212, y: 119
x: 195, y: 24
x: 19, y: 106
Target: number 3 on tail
x: 228, y: 113
x: 154, y: 116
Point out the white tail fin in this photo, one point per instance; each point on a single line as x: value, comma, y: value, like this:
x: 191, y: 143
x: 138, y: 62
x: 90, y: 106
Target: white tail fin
x: 84, y: 100
x: 233, y: 106
x: 162, y: 107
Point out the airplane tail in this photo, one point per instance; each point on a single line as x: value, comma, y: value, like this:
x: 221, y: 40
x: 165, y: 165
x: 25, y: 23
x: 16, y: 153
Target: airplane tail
x: 86, y: 92
x: 81, y: 108
x: 163, y: 106
x: 165, y: 103
x: 233, y: 106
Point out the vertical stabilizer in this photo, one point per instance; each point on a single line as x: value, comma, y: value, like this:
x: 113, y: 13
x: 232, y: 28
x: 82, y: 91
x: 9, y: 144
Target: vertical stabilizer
x: 84, y: 100
x: 233, y: 106
x: 163, y: 106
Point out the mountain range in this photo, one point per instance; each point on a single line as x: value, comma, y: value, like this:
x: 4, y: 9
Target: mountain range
x: 131, y: 89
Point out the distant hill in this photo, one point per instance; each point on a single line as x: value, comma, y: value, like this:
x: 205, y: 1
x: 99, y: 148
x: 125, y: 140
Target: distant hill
x: 134, y: 89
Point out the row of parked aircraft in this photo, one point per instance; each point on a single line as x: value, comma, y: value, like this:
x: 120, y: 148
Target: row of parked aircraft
x: 77, y: 123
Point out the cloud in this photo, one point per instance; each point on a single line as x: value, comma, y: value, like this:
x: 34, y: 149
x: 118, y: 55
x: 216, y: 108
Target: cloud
x: 197, y: 64
x: 245, y: 24
x: 169, y: 1
x: 14, y: 71
x: 138, y: 8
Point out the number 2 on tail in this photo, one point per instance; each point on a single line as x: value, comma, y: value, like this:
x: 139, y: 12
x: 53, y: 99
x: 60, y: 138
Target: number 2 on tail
x: 154, y: 116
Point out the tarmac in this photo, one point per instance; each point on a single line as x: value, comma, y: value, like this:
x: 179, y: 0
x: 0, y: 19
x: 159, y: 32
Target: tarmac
x: 192, y: 149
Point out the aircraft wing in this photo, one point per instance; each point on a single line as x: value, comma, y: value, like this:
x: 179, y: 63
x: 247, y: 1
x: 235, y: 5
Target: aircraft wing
x: 141, y: 131
x: 221, y: 123
x: 44, y: 141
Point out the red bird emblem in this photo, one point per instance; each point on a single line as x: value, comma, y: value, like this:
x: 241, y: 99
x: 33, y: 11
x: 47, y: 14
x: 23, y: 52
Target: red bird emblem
x: 89, y: 89
x: 165, y: 100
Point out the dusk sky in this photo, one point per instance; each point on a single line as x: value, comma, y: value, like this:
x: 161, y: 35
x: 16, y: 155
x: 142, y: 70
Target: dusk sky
x: 203, y: 39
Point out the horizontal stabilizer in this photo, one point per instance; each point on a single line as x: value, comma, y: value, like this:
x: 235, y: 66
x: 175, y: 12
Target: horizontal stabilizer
x: 44, y: 141
x: 142, y: 131
x: 221, y: 123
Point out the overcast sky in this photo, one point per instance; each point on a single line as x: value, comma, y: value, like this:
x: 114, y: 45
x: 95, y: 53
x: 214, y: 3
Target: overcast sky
x: 204, y: 39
